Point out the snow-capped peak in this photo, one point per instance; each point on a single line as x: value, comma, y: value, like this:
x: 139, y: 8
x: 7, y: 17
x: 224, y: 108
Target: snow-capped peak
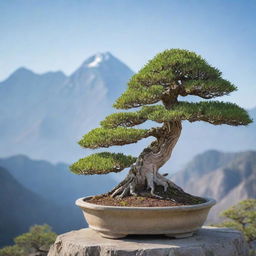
x: 95, y: 63
x: 97, y: 59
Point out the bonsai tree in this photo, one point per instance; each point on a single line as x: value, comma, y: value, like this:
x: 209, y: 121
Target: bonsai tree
x: 170, y: 74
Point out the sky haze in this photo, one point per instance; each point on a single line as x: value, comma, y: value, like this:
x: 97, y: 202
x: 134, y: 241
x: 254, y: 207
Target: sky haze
x: 59, y: 35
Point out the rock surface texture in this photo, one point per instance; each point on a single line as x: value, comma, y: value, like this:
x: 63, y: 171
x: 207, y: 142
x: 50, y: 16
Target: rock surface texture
x: 208, y: 241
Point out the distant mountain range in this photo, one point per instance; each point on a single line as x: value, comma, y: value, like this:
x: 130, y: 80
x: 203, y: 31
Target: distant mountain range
x: 43, y: 116
x: 226, y: 177
x: 17, y: 203
x: 38, y: 192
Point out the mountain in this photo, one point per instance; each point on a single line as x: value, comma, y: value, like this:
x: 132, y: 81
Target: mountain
x: 55, y: 181
x: 227, y: 177
x: 44, y: 115
x: 21, y: 208
x: 45, y: 193
x: 101, y: 74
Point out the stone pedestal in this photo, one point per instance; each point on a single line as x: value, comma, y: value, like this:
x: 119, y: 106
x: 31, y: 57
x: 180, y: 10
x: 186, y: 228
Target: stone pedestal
x: 208, y: 241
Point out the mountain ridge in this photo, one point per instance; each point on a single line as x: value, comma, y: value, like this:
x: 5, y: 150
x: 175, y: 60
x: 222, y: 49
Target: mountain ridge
x: 42, y: 115
x: 21, y: 208
x: 41, y: 177
x: 229, y: 182
x: 24, y: 70
x: 37, y: 192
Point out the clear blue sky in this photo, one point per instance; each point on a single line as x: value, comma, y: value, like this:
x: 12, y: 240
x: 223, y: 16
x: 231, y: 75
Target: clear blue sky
x: 45, y: 35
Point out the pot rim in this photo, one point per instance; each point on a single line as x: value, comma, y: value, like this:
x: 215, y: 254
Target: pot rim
x: 83, y: 204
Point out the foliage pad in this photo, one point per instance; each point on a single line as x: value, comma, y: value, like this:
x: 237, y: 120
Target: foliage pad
x: 139, y: 96
x: 125, y: 119
x: 208, y: 89
x: 173, y: 69
x: 101, y: 137
x: 213, y: 112
x: 102, y: 163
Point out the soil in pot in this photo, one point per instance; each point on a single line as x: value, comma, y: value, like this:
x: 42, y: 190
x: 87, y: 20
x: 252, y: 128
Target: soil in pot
x: 171, y: 197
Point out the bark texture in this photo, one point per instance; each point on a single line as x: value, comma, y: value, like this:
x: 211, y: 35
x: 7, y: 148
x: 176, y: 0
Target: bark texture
x: 143, y: 175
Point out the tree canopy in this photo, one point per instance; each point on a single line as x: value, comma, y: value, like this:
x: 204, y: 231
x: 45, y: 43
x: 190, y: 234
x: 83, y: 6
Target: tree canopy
x: 102, y: 163
x: 162, y: 80
x: 172, y: 73
x: 242, y: 216
x: 37, y: 241
x: 103, y: 138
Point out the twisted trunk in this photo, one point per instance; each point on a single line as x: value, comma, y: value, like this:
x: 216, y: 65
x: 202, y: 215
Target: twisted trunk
x: 143, y: 175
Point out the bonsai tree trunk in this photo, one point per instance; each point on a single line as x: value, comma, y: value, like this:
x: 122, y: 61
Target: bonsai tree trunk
x: 144, y: 175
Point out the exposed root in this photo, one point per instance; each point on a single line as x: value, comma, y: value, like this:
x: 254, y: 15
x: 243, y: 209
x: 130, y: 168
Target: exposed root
x: 152, y: 180
x: 125, y: 192
x: 120, y: 189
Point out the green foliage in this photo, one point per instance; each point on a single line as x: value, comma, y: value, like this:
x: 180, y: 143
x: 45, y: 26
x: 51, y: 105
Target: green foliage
x: 13, y: 250
x: 139, y: 96
x: 171, y: 69
x: 102, y: 163
x: 125, y: 119
x: 174, y: 65
x: 209, y: 88
x: 243, y: 218
x: 39, y: 238
x: 213, y: 112
x: 102, y: 137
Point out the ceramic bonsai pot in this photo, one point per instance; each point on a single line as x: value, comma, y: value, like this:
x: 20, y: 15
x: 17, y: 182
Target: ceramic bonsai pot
x: 118, y: 221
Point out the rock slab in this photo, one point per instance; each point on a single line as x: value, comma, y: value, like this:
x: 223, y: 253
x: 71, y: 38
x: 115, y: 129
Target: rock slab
x: 208, y: 241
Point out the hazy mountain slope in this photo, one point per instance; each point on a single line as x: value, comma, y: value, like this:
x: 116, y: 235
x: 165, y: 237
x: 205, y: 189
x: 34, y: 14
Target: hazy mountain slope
x: 46, y: 193
x: 21, y: 208
x: 44, y: 115
x: 24, y: 97
x: 55, y: 182
x: 203, y: 164
x: 230, y: 178
x: 102, y: 74
x: 244, y: 190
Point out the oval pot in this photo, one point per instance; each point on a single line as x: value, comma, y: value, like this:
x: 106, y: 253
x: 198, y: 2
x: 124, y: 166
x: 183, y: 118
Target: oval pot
x: 118, y: 221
